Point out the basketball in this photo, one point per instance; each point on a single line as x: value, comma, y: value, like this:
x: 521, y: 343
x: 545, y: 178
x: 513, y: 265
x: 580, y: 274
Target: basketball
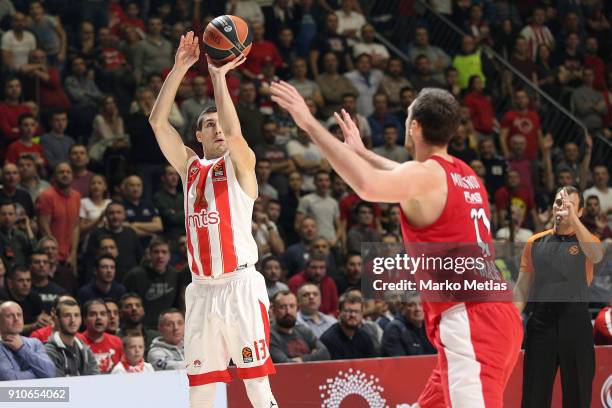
x: 226, y: 37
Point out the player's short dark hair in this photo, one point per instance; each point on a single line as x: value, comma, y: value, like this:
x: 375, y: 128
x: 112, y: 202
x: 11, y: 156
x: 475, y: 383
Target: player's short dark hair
x: 438, y: 113
x: 572, y: 190
x: 67, y: 303
x: 208, y: 110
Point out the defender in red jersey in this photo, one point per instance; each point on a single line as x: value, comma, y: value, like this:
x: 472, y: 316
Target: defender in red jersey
x: 442, y: 201
x: 227, y: 301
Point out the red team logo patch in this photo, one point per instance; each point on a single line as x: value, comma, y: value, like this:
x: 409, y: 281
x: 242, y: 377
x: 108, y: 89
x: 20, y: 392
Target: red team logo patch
x: 197, y: 363
x: 247, y: 355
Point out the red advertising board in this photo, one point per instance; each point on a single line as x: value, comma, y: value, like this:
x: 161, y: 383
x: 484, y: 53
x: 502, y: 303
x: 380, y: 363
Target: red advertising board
x: 389, y: 383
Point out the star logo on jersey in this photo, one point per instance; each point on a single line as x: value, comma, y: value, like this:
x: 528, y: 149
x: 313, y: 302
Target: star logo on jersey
x: 192, y: 172
x: 247, y: 355
x: 573, y: 250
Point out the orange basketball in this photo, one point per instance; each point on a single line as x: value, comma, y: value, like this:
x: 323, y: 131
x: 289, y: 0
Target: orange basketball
x: 226, y: 37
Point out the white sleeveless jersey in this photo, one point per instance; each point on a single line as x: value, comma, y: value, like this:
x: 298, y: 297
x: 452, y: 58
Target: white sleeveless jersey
x: 217, y: 219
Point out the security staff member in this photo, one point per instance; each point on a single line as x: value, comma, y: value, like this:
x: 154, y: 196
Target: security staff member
x: 556, y: 269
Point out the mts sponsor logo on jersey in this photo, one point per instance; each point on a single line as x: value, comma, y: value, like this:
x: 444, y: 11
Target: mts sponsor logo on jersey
x: 465, y: 182
x: 203, y: 218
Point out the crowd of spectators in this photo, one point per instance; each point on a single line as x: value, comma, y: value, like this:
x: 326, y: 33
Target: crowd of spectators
x: 93, y: 257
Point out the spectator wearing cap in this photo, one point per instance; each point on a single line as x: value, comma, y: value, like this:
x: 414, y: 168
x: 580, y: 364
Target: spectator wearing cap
x: 168, y: 350
x: 106, y: 348
x: 17, y: 43
x: 345, y: 339
x: 405, y: 335
x: 41, y: 282
x: 316, y: 272
x: 104, y: 285
x: 15, y: 245
x: 291, y: 342
x: 70, y: 355
x: 156, y: 283
x: 272, y: 272
x: 22, y: 357
x: 309, y: 305
x: 57, y: 209
x: 30, y: 180
x: 154, y: 53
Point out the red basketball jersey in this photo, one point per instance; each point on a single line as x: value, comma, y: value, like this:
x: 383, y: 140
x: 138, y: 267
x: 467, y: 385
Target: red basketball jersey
x: 464, y: 220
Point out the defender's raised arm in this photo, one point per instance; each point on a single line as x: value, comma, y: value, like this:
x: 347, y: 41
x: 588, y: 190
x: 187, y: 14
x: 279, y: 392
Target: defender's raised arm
x: 168, y: 138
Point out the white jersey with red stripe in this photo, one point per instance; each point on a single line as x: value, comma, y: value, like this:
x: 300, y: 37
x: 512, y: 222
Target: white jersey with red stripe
x: 217, y: 219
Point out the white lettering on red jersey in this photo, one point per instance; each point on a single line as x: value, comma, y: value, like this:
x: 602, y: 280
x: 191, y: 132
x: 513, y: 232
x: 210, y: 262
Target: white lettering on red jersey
x: 217, y: 219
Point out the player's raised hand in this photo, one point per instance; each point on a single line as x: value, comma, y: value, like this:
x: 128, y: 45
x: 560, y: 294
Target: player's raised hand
x: 351, y: 134
x: 289, y: 99
x: 222, y: 70
x: 188, y: 51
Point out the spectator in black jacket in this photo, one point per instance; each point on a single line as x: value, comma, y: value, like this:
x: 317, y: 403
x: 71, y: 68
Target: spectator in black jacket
x: 156, y: 284
x: 405, y: 335
x: 346, y: 339
x: 290, y: 342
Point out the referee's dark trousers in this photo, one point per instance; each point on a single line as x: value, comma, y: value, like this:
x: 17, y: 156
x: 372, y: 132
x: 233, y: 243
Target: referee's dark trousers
x: 559, y: 335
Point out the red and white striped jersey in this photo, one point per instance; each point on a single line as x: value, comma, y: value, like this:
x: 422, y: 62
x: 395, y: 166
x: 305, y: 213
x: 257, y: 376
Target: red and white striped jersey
x: 217, y: 219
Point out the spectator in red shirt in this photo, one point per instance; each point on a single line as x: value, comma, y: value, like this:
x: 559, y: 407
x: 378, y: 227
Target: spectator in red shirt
x: 41, y: 77
x: 523, y: 121
x: 480, y: 106
x: 58, y: 213
x: 106, y: 348
x: 24, y: 145
x: 602, y: 332
x: 316, y: 272
x: 11, y: 109
x: 261, y: 51
x: 594, y: 61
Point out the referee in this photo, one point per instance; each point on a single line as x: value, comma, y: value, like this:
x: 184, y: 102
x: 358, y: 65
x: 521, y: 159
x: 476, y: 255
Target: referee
x: 556, y: 270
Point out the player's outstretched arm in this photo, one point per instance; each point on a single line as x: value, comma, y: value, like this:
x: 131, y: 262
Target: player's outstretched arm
x: 242, y: 156
x: 353, y: 139
x: 369, y: 182
x: 168, y: 138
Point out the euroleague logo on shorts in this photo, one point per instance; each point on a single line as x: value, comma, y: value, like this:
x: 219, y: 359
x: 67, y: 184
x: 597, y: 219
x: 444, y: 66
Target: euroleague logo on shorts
x: 247, y: 355
x: 353, y: 385
x: 606, y: 393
